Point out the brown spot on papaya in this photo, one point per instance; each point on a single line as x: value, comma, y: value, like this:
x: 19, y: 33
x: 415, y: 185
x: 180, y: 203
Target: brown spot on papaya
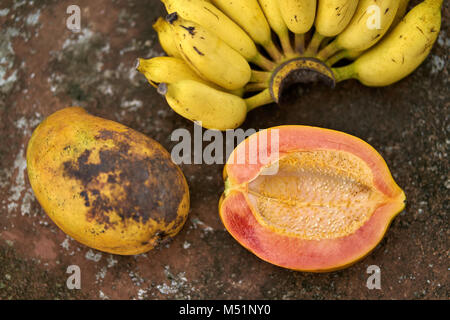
x: 111, y: 179
x: 143, y: 181
x: 106, y: 135
x: 86, y: 198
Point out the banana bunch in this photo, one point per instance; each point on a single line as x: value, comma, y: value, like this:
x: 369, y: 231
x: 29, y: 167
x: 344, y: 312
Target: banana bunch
x: 226, y: 58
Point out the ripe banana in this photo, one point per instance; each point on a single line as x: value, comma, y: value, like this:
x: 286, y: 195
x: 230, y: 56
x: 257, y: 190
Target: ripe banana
x: 248, y: 14
x: 298, y: 14
x: 166, y: 37
x: 401, y: 52
x: 276, y: 22
x: 167, y: 70
x: 212, y: 43
x: 198, y: 102
x: 370, y: 22
x: 333, y: 16
x: 208, y: 55
x: 208, y: 16
x: 299, y: 17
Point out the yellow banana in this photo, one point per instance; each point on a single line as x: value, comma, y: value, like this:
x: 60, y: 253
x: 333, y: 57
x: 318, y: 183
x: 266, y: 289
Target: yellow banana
x: 298, y: 14
x: 198, y: 102
x: 248, y: 14
x: 208, y: 55
x: 211, y: 18
x: 299, y: 17
x: 273, y: 15
x: 166, y: 37
x: 334, y: 15
x: 370, y: 22
x: 401, y: 52
x: 166, y: 70
x: 332, y: 18
x: 171, y: 69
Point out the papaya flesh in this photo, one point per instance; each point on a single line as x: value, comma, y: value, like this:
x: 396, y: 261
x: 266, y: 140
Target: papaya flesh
x: 327, y: 204
x: 104, y: 184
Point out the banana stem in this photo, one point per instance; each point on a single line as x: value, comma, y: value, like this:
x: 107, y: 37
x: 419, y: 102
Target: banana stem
x: 260, y: 76
x: 314, y: 45
x: 286, y: 44
x: 344, y: 54
x: 328, y: 51
x: 259, y: 100
x: 263, y: 62
x: 345, y: 73
x: 273, y: 51
x: 257, y: 86
x: 336, y: 58
x: 300, y: 43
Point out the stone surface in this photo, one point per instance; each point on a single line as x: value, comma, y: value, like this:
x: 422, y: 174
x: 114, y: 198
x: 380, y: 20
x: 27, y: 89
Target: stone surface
x: 45, y: 67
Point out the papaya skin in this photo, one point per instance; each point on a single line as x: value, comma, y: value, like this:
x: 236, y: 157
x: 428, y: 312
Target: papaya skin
x: 104, y: 184
x: 242, y: 218
x: 344, y: 265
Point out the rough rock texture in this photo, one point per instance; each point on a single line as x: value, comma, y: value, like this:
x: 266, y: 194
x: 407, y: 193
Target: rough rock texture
x: 45, y: 67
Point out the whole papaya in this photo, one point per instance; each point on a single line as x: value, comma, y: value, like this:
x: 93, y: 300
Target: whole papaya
x: 104, y: 184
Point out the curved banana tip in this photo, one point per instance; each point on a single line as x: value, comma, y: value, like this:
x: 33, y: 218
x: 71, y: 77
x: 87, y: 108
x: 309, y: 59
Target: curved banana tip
x: 162, y: 89
x: 157, y: 24
x: 171, y: 18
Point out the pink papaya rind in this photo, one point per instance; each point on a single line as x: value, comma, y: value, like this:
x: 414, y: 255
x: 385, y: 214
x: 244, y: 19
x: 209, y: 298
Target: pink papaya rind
x: 298, y: 254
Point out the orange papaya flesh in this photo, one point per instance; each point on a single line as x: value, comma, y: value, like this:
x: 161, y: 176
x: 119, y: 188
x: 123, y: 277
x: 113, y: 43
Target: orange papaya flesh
x: 104, y: 184
x: 327, y: 205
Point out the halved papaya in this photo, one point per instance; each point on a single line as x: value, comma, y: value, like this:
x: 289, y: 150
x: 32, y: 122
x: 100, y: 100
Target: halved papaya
x: 318, y: 200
